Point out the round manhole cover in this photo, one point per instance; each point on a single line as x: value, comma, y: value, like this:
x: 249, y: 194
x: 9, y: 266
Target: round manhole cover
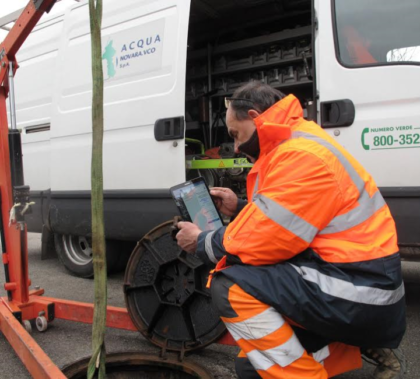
x: 166, y: 295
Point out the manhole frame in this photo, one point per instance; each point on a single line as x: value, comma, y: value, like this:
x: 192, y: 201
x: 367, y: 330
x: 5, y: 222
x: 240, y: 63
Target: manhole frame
x: 138, y: 359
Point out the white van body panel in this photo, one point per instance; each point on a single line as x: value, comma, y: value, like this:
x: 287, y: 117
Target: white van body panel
x: 36, y: 75
x: 144, y: 71
x: 151, y: 86
x: 384, y: 97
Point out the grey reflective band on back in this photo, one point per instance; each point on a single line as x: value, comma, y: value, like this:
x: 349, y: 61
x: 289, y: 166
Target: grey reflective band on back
x: 358, y: 181
x: 367, y: 208
x: 348, y: 291
x: 285, y: 218
x: 209, y: 247
x: 255, y: 188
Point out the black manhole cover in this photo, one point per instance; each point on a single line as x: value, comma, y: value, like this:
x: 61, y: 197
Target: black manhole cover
x: 166, y: 295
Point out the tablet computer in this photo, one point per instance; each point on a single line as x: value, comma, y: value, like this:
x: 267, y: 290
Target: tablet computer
x: 196, y: 205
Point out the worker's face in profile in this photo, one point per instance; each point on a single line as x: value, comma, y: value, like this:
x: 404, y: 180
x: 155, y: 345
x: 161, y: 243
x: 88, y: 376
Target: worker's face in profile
x: 240, y: 130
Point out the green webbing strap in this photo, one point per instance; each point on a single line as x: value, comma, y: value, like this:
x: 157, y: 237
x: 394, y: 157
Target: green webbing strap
x: 97, y: 362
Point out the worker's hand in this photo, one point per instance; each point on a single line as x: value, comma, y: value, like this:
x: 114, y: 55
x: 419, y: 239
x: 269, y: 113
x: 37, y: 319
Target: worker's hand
x: 187, y: 236
x: 225, y: 199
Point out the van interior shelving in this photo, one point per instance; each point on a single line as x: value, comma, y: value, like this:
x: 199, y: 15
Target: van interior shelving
x: 233, y: 42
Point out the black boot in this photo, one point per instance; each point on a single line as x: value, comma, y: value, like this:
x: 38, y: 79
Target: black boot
x: 391, y: 362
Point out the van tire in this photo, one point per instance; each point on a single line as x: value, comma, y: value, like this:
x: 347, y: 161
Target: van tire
x: 125, y: 248
x: 75, y: 253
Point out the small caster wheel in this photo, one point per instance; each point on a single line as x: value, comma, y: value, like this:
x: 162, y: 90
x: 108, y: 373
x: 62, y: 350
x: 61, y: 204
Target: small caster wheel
x: 41, y: 323
x: 27, y: 325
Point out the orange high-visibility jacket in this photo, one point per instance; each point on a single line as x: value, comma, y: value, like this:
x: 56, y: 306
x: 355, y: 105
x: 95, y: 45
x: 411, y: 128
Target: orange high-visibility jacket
x: 307, y: 191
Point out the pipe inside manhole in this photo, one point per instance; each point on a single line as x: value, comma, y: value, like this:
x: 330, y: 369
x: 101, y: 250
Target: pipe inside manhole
x: 140, y: 366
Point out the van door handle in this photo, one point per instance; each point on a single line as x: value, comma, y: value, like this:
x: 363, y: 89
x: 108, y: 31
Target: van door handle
x: 337, y: 113
x: 167, y: 129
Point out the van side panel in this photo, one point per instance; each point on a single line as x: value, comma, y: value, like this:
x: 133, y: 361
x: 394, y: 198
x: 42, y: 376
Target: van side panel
x: 387, y: 104
x: 384, y: 136
x: 144, y: 51
x: 144, y: 62
x: 128, y: 214
x: 35, y: 85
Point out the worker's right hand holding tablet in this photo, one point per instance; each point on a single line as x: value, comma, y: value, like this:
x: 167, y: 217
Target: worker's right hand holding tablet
x: 225, y: 199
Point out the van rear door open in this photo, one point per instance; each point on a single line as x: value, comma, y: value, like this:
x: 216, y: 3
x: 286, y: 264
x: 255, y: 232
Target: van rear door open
x: 144, y: 56
x: 368, y: 52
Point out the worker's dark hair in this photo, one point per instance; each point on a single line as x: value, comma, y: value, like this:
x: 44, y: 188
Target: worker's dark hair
x: 261, y: 96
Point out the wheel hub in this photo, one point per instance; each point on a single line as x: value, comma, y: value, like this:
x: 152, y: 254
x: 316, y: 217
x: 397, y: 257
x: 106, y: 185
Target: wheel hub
x: 78, y: 249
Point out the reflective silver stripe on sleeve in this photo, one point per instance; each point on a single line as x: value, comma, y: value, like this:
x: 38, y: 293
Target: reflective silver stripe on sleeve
x: 282, y: 355
x: 255, y: 188
x: 256, y: 327
x: 285, y: 218
x: 366, y: 209
x: 209, y: 247
x: 348, y: 291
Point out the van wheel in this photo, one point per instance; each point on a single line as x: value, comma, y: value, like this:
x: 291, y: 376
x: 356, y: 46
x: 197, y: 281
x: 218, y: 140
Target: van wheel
x: 75, y: 252
x: 125, y: 249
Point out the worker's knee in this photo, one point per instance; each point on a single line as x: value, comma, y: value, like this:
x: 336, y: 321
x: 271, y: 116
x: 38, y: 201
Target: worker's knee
x: 220, y: 296
x: 244, y: 369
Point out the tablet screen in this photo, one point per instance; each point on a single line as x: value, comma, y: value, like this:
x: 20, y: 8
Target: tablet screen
x: 196, y: 205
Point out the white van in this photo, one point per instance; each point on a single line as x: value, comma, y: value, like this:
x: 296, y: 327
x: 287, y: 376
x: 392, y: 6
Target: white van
x: 168, y: 65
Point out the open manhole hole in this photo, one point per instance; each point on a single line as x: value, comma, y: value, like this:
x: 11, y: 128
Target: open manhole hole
x: 166, y: 294
x: 140, y: 366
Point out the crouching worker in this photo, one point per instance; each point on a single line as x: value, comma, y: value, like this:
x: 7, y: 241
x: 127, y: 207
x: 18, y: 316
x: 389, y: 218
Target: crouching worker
x: 308, y: 274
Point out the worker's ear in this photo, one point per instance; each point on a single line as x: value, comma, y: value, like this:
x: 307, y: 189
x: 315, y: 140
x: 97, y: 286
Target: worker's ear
x: 253, y: 113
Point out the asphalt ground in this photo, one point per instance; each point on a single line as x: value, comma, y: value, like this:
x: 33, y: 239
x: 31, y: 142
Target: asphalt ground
x: 66, y: 342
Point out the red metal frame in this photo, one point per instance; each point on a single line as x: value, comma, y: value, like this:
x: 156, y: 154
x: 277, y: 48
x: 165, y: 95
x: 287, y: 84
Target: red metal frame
x: 36, y: 361
x: 21, y: 303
